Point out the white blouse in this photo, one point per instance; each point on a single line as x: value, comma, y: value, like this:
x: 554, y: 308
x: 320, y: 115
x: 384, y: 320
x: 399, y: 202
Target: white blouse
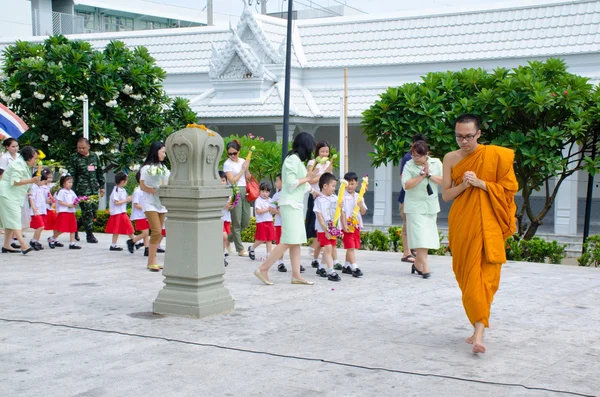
x: 235, y: 168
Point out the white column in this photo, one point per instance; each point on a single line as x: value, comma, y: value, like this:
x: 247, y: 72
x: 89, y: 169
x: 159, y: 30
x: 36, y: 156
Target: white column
x: 310, y: 128
x: 565, y: 206
x: 382, y: 211
x: 279, y: 132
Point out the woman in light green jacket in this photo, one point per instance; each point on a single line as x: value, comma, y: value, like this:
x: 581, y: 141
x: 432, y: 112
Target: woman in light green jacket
x: 295, y: 184
x: 420, y: 179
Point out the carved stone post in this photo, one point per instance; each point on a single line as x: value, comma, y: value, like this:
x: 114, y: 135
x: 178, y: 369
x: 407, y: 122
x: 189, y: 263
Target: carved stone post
x: 193, y: 267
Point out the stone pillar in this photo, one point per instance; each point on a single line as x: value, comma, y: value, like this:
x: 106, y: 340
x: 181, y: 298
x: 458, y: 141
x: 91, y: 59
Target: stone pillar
x: 279, y: 132
x: 194, y: 265
x: 382, y: 206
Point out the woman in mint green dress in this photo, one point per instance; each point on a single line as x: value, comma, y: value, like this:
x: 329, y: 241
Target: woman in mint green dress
x: 295, y: 184
x: 13, y: 189
x: 420, y: 179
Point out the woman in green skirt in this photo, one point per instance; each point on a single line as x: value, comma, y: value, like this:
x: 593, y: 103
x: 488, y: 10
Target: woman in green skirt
x: 295, y: 184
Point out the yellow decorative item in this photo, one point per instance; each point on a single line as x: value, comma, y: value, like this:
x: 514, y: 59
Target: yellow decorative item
x: 338, y: 207
x: 201, y: 126
x: 41, y: 156
x: 361, y: 193
x: 250, y: 153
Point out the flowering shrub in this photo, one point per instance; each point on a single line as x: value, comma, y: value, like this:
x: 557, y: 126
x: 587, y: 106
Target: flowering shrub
x: 46, y: 83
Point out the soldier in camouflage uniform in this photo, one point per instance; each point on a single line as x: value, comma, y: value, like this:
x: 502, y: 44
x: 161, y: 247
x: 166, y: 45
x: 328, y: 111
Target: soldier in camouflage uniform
x: 88, y: 179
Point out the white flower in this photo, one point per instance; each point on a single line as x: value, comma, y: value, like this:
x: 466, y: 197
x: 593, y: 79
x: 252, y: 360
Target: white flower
x: 99, y: 153
x: 62, y: 171
x: 113, y: 151
x: 137, y: 97
x: 61, y: 96
x: 33, y: 83
x: 46, y: 104
x: 66, y: 123
x: 81, y: 97
x: 135, y: 167
x: 60, y: 64
x: 44, y: 138
x: 52, y: 98
x: 4, y: 97
x: 73, y: 133
x: 68, y: 114
x: 104, y: 141
x: 39, y: 95
x: 139, y: 130
x: 111, y: 104
x: 16, y: 95
x: 127, y: 89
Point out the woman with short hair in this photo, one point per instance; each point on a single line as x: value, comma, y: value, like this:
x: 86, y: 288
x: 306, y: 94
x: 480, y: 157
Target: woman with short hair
x: 420, y: 179
x: 13, y: 190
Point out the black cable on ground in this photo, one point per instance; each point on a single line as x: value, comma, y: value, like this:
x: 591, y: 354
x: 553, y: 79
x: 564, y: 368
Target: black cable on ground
x: 321, y: 360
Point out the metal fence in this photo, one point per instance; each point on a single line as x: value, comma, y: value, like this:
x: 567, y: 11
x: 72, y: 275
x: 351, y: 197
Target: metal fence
x: 45, y: 23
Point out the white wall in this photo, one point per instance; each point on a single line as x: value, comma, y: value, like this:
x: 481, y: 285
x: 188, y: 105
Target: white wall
x: 15, y: 18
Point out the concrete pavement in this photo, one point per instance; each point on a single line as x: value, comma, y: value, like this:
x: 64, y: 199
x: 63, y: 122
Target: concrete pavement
x: 79, y: 323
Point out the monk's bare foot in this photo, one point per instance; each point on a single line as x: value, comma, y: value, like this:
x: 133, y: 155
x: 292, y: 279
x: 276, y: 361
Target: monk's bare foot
x: 478, y: 347
x: 470, y: 339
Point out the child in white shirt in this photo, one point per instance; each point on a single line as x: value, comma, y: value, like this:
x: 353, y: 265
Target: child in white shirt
x: 37, y: 210
x: 141, y: 223
x: 352, y: 238
x: 118, y: 222
x: 265, y: 231
x: 324, y: 208
x: 66, y: 222
x: 226, y: 218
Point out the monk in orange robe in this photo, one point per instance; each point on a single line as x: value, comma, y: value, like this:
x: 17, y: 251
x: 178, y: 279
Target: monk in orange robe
x: 481, y: 181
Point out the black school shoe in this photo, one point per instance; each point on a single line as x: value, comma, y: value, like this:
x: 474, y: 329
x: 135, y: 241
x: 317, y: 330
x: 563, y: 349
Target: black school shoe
x: 357, y: 273
x: 347, y: 270
x: 58, y: 244
x: 302, y: 269
x: 281, y: 267
x: 9, y: 251
x: 15, y: 246
x: 251, y: 253
x: 115, y: 248
x: 322, y: 272
x: 146, y: 251
x: 334, y: 277
x: 130, y: 246
x: 139, y: 245
x: 160, y: 250
x: 315, y: 264
x: 73, y: 247
x: 338, y: 266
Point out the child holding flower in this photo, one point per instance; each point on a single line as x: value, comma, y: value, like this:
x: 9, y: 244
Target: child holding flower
x: 137, y: 215
x: 37, y: 210
x: 325, y: 208
x: 65, y: 218
x: 265, y: 232
x: 352, y: 225
x: 118, y: 222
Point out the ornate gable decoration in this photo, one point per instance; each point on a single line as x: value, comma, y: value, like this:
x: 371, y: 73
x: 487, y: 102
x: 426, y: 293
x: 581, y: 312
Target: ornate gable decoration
x: 245, y: 54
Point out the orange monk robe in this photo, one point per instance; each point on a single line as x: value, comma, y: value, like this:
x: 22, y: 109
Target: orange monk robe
x: 478, y: 224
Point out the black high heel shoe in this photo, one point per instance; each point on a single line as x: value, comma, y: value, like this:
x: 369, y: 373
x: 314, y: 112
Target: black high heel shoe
x: 9, y: 251
x: 426, y: 275
x: 415, y: 270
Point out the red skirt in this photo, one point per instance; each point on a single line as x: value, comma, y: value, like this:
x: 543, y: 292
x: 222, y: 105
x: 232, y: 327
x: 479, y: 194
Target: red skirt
x: 352, y: 240
x: 277, y: 234
x: 37, y: 221
x: 142, y: 224
x: 119, y: 224
x: 226, y: 227
x: 66, y: 222
x: 265, y: 231
x: 50, y: 221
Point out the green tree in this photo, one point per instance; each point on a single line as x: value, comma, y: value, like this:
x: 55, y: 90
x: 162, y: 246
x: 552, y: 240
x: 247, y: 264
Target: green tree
x: 550, y: 117
x: 45, y: 83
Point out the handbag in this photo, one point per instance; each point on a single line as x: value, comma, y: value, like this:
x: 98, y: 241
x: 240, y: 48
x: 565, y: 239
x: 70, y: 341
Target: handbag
x: 252, y: 189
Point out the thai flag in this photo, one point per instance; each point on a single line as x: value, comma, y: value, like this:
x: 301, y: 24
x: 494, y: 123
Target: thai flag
x: 11, y: 125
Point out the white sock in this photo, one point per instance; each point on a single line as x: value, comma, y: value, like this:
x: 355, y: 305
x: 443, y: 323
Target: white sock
x: 281, y: 261
x: 34, y: 240
x: 322, y: 266
x: 330, y: 270
x: 353, y: 266
x: 113, y: 245
x: 72, y: 243
x: 347, y: 264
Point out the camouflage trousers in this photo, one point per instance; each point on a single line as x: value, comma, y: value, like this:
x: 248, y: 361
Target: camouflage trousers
x: 88, y: 213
